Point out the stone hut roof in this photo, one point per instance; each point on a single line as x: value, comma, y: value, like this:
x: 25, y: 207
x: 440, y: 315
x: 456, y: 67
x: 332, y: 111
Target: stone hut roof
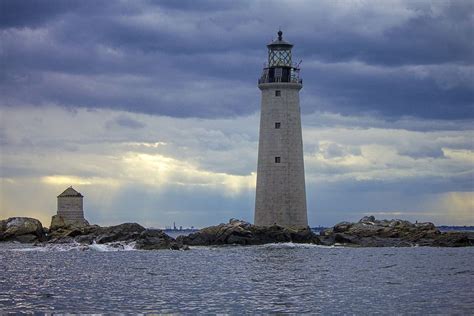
x: 70, y: 192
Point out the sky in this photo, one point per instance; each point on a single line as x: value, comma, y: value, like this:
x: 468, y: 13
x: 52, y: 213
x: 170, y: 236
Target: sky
x: 150, y: 109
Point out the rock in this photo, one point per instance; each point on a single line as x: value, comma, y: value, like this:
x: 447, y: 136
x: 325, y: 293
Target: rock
x: 454, y: 239
x: 367, y: 219
x: 237, y: 222
x: 243, y: 233
x: 326, y: 232
x: 152, y: 239
x: 341, y: 227
x: 28, y: 238
x: 369, y: 232
x: 87, y: 234
x: 57, y: 222
x: 344, y: 239
x: 3, y: 227
x: 22, y: 229
x: 145, y: 239
x: 122, y: 232
x: 85, y: 239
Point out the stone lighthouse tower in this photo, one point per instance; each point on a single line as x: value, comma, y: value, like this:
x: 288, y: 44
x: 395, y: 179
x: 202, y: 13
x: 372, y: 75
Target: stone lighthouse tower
x: 281, y: 195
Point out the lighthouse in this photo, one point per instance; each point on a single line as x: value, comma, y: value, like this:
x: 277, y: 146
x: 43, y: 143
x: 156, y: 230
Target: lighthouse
x: 280, y: 194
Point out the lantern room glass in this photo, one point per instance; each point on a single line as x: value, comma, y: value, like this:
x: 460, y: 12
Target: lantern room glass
x: 281, y: 58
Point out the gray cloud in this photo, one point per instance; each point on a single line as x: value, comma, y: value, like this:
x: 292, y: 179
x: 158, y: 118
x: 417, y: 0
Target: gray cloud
x: 422, y: 151
x: 200, y: 171
x: 125, y: 121
x: 392, y: 59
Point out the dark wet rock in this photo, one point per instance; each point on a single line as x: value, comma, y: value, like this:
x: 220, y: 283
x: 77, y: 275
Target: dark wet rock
x: 94, y: 233
x: 243, y: 233
x: 122, y: 232
x: 22, y: 229
x: 367, y: 219
x: 152, y: 239
x: 87, y: 234
x: 145, y: 239
x: 28, y: 238
x: 85, y: 239
x: 326, y: 232
x: 454, y: 239
x: 369, y: 232
x: 341, y: 227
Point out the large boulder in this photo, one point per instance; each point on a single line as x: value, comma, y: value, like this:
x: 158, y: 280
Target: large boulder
x: 58, y: 222
x: 80, y: 234
x: 22, y: 229
x: 243, y: 233
x: 122, y: 232
x: 153, y: 239
x: 341, y: 227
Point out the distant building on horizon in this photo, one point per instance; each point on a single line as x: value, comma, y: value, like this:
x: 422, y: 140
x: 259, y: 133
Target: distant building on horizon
x: 70, y: 209
x: 280, y: 194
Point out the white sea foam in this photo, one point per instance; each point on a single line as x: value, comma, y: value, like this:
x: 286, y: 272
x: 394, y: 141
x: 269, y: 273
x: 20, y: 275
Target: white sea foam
x: 113, y: 247
x: 79, y: 247
x: 28, y: 249
x: 291, y: 245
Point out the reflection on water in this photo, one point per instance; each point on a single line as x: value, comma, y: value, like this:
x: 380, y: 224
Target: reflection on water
x: 270, y: 278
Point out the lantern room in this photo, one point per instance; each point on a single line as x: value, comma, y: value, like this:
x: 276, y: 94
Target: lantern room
x: 279, y: 67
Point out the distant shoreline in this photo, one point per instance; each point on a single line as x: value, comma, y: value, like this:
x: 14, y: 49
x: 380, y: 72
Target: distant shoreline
x: 445, y: 228
x: 185, y: 230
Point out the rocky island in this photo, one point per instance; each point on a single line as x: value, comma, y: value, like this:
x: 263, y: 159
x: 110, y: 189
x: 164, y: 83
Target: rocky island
x: 368, y: 232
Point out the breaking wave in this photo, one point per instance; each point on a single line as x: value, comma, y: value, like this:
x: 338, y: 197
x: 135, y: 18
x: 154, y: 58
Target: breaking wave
x: 116, y: 246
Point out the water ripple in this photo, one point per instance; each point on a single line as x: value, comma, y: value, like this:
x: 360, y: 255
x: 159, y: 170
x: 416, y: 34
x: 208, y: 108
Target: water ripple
x: 277, y: 278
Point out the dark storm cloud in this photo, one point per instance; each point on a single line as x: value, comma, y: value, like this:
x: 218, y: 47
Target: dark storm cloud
x: 427, y: 37
x: 21, y: 13
x: 202, y: 59
x: 389, y: 91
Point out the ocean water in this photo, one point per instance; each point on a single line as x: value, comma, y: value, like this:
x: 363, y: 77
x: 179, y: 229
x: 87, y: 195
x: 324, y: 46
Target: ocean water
x: 258, y: 279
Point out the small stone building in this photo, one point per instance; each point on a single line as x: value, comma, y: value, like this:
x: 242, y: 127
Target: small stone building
x: 70, y: 209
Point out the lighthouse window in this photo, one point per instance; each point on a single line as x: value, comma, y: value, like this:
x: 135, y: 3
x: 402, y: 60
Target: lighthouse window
x: 277, y: 125
x: 277, y: 93
x: 277, y: 159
